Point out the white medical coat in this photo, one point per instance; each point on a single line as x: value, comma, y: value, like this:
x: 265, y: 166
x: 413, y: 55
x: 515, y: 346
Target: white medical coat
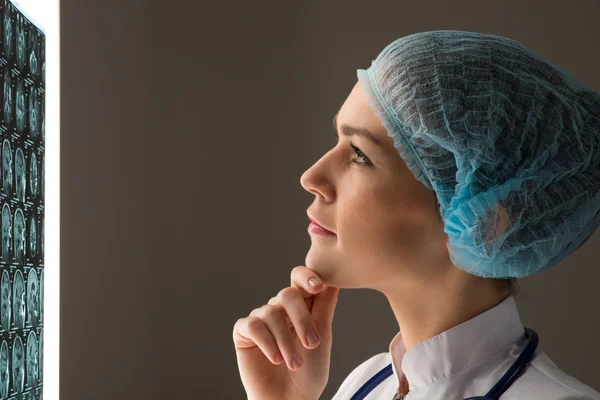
x: 467, y: 360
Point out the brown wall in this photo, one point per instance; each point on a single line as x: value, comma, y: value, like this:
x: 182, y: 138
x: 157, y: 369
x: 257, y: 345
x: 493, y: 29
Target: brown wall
x: 185, y: 129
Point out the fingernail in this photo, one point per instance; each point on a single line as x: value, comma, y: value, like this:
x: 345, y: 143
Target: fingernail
x: 297, y: 361
x: 312, y: 337
x: 278, y: 357
x: 314, y: 282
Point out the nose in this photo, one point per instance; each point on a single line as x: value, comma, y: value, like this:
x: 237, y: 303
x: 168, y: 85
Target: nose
x: 316, y: 179
x: 313, y: 183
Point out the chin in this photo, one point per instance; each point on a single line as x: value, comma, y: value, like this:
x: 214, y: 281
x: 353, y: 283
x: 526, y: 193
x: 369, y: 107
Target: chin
x: 330, y: 272
x: 322, y: 264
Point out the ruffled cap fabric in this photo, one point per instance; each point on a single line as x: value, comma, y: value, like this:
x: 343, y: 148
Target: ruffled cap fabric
x: 509, y: 142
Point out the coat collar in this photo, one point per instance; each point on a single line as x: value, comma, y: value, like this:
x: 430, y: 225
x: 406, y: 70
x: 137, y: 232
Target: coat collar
x: 459, y: 347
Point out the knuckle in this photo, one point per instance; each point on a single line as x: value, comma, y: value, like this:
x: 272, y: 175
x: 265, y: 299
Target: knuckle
x: 255, y: 312
x: 294, y: 273
x: 287, y: 294
x: 271, y: 311
x: 308, y: 323
x: 254, y: 325
x: 236, y: 325
x: 297, y: 273
x: 296, y: 269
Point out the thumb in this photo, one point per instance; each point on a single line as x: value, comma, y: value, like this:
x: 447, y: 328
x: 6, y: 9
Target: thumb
x: 324, y: 307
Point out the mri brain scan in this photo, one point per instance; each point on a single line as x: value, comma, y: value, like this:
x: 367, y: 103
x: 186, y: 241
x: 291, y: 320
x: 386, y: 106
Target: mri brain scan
x: 41, y: 353
x: 43, y: 128
x: 43, y: 56
x: 5, y: 289
x: 18, y: 365
x: 33, y: 114
x: 32, y: 238
x: 20, y: 175
x: 9, y: 102
x: 33, y: 176
x: 33, y: 59
x: 4, y: 370
x: 6, y: 233
x: 43, y: 177
x: 20, y: 106
x: 42, y: 297
x: 8, y: 30
x: 7, y: 167
x: 32, y: 360
x: 20, y: 31
x: 33, y: 300
x: 19, y: 300
x: 19, y: 236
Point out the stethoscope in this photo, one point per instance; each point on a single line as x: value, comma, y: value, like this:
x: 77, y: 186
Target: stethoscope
x: 500, y: 387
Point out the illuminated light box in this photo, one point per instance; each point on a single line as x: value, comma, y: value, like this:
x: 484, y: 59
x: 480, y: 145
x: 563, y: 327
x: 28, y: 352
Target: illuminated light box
x: 22, y: 192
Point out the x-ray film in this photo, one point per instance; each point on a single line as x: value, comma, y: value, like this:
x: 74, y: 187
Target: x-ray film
x: 22, y: 139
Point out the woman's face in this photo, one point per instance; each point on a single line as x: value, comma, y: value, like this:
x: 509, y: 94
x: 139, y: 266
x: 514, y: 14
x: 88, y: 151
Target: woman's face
x: 387, y: 222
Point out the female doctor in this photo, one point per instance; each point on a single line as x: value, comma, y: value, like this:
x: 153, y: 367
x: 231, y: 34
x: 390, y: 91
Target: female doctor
x: 464, y: 161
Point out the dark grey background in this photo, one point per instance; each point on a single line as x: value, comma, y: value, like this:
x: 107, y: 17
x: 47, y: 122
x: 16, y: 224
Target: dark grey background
x: 185, y: 128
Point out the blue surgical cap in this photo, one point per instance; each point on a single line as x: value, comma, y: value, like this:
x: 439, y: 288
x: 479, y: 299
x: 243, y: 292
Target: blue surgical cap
x: 508, y: 141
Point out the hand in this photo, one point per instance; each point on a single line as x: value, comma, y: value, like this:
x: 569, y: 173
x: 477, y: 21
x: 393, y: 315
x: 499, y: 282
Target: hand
x: 281, y: 326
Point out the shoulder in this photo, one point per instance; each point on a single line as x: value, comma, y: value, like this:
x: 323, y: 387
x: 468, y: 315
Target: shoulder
x: 365, y: 369
x: 545, y: 376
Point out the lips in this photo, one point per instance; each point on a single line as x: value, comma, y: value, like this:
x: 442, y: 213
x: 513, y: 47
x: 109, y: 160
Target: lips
x: 314, y: 220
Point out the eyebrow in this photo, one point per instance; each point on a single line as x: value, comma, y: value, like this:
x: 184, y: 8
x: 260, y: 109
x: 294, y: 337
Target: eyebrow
x: 348, y: 130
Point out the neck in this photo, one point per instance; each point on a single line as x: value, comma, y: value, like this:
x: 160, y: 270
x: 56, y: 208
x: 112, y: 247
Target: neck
x: 424, y: 311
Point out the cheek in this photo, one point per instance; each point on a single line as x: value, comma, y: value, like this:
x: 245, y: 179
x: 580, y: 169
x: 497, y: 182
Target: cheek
x: 370, y: 227
x: 384, y: 231
x: 377, y: 230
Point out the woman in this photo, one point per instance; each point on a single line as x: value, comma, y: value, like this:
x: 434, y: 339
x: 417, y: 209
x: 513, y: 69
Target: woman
x: 464, y: 161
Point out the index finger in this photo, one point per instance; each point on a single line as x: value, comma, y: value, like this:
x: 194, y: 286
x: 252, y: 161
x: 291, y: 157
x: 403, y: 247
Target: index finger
x: 300, y: 277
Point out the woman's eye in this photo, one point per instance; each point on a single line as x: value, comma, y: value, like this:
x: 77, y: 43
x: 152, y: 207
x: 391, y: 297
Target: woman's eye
x: 360, y: 154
